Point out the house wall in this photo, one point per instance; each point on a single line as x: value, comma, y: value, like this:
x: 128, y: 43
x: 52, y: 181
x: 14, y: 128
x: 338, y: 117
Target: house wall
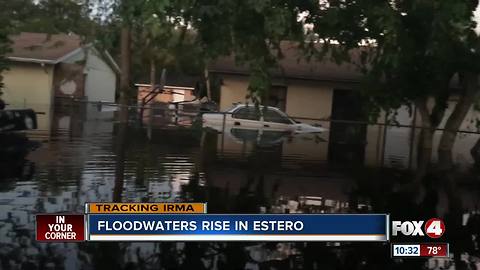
x: 374, y: 143
x: 304, y: 99
x: 169, y: 95
x: 180, y: 95
x: 69, y: 81
x: 30, y: 86
x: 101, y: 80
x: 309, y: 100
x: 233, y: 89
x: 161, y: 102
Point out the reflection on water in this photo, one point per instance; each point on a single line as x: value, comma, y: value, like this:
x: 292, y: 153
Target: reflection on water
x: 83, y: 158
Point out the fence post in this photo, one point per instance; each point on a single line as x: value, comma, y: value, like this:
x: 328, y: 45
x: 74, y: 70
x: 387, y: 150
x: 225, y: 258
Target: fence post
x: 223, y: 122
x: 412, y: 137
x: 223, y: 129
x: 385, y: 126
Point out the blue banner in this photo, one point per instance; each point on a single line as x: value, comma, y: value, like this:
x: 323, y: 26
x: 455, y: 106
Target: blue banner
x: 241, y: 227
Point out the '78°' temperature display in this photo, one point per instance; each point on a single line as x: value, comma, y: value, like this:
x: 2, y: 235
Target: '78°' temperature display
x: 420, y: 250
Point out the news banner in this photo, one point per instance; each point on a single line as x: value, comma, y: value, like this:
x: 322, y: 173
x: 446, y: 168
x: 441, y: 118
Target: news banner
x: 191, y: 222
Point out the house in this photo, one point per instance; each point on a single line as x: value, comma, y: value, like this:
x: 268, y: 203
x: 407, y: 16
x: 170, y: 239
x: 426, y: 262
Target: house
x: 47, y: 69
x: 171, y: 94
x: 178, y: 87
x: 174, y: 104
x: 327, y: 93
x: 313, y: 92
x: 158, y: 108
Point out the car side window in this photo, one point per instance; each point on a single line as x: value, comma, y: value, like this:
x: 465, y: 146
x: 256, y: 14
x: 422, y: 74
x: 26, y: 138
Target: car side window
x: 248, y: 113
x: 275, y: 117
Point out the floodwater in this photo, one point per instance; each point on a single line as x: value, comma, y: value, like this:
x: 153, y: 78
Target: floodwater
x: 81, y: 157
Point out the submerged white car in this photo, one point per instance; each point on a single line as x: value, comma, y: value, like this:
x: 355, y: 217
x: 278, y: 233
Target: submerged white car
x: 244, y: 116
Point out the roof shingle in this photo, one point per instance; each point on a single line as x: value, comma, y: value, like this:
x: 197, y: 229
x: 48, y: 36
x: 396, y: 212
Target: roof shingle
x: 41, y: 47
x: 293, y: 65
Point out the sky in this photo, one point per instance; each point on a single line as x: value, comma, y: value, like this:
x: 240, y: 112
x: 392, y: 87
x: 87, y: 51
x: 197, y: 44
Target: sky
x: 477, y: 18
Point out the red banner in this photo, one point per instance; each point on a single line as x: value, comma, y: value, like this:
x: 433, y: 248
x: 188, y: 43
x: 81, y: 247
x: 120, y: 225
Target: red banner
x: 60, y: 228
x: 434, y: 250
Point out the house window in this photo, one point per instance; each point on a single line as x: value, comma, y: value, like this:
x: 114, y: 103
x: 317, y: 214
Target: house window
x: 277, y: 97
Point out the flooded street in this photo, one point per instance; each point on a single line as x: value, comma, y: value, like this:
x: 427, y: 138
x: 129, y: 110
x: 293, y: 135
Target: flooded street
x: 260, y: 135
x: 81, y: 158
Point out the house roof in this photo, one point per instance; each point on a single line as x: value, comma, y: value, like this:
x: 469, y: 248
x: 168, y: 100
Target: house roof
x: 43, y: 48
x: 294, y: 66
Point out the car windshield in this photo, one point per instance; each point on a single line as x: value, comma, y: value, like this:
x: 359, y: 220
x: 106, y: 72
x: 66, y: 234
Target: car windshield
x: 231, y: 108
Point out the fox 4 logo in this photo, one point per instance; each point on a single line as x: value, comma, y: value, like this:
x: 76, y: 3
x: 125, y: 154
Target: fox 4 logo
x: 434, y: 228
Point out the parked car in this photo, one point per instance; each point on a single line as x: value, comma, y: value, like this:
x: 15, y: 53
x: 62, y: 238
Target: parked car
x: 16, y: 120
x: 259, y: 137
x: 244, y: 116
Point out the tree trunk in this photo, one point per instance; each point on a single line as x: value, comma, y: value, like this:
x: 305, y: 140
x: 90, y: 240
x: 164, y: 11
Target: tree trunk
x: 426, y: 141
x: 125, y: 62
x: 424, y: 153
x: 153, y: 74
x: 475, y: 152
x: 470, y: 84
x: 123, y: 117
x: 207, y: 84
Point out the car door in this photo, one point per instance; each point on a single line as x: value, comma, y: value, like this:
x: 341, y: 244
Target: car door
x: 275, y: 120
x: 247, y: 117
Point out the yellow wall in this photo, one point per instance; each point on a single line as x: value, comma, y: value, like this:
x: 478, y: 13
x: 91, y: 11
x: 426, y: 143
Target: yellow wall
x: 30, y: 86
x: 373, y: 148
x: 309, y: 100
x: 234, y: 89
x: 304, y: 99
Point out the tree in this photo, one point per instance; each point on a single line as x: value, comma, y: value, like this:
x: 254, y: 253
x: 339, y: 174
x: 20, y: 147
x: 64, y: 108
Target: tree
x: 49, y: 16
x: 416, y: 49
x: 10, y: 15
x: 159, y: 38
x: 46, y: 16
x: 4, y: 49
x: 147, y: 31
x: 251, y: 30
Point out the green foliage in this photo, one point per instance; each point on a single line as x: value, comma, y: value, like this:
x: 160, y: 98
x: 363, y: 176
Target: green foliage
x: 46, y: 16
x: 251, y: 30
x: 52, y: 16
x: 418, y: 45
x: 4, y: 48
x: 161, y: 37
x: 10, y: 14
x: 157, y: 34
x: 260, y: 81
